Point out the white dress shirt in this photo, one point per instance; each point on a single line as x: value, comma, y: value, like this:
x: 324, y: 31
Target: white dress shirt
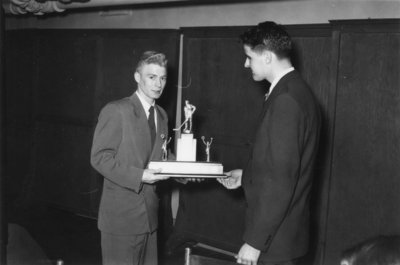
x: 147, y: 106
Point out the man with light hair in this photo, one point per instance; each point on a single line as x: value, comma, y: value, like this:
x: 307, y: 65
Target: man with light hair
x: 127, y: 136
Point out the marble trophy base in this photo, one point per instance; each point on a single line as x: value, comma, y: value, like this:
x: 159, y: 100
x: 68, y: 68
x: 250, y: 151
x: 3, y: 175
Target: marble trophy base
x: 186, y: 148
x: 186, y: 164
x: 188, y: 169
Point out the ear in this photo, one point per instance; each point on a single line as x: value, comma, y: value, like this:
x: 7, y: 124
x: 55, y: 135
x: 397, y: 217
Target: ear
x: 267, y: 56
x: 137, y: 77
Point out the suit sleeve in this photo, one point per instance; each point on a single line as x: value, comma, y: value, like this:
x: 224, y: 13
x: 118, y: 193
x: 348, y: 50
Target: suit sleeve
x: 275, y: 169
x: 106, y: 141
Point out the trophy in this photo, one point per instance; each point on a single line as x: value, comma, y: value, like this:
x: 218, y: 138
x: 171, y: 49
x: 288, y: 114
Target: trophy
x: 186, y: 164
x: 186, y: 146
x: 208, y: 145
x: 164, y: 147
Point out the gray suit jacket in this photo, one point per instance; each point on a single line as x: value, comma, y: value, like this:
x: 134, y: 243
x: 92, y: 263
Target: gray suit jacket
x: 120, y: 152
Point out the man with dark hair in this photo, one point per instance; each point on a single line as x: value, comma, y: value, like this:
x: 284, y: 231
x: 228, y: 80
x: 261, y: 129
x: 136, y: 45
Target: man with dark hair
x: 278, y: 176
x: 127, y: 136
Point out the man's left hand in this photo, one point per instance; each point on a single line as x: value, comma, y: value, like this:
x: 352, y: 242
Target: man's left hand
x: 248, y: 255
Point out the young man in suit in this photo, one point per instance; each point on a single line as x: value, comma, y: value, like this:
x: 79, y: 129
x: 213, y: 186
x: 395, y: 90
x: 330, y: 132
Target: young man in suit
x: 278, y: 176
x: 127, y: 136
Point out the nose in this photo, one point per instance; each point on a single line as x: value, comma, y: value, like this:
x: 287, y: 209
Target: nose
x: 159, y: 82
x: 246, y: 63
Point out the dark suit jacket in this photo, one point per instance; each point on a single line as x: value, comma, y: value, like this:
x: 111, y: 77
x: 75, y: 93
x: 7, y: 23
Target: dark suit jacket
x: 121, y: 151
x: 277, y: 179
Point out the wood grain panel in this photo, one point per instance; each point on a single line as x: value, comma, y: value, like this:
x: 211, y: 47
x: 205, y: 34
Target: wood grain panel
x: 19, y: 61
x: 364, y: 192
x: 63, y: 175
x: 65, y: 76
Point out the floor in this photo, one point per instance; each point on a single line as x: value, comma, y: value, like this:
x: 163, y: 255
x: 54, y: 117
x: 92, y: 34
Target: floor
x: 63, y: 235
x: 41, y: 235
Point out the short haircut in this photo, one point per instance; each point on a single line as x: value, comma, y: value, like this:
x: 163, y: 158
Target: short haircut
x: 380, y: 250
x: 268, y: 36
x: 151, y: 57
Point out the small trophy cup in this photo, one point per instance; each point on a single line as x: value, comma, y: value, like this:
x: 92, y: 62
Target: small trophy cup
x: 186, y: 165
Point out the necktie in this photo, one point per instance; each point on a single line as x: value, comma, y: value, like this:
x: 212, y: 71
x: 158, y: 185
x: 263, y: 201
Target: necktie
x: 152, y: 125
x: 267, y: 95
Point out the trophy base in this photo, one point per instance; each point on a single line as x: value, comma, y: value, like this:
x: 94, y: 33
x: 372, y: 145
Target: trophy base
x: 202, y: 176
x: 188, y: 169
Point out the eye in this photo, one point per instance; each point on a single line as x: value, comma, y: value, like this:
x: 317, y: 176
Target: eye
x: 164, y: 78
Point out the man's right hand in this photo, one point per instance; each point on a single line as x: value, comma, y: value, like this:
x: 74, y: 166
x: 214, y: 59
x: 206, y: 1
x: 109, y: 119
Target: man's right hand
x: 150, y: 177
x: 233, y: 179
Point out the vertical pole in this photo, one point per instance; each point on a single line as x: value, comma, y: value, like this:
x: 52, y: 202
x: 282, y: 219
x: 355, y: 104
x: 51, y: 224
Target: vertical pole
x: 179, y: 93
x: 175, y: 192
x: 3, y: 220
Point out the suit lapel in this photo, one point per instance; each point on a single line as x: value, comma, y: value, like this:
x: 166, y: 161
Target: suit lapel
x: 276, y: 91
x: 141, y: 119
x: 161, y: 130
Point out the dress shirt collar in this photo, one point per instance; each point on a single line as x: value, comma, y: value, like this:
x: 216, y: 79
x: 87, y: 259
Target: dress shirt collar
x: 146, y: 105
x: 276, y: 80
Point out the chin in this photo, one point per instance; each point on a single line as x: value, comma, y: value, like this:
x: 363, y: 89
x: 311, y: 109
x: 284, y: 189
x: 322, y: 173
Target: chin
x: 257, y: 78
x: 156, y: 95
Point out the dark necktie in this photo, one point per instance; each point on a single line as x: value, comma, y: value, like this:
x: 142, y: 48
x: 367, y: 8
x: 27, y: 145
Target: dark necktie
x: 152, y: 125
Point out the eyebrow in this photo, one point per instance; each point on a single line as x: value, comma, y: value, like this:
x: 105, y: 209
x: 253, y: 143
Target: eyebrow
x: 151, y: 74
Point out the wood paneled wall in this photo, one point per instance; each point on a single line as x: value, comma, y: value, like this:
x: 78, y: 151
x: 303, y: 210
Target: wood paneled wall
x: 3, y: 220
x: 365, y: 178
x: 352, y: 67
x: 57, y: 81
